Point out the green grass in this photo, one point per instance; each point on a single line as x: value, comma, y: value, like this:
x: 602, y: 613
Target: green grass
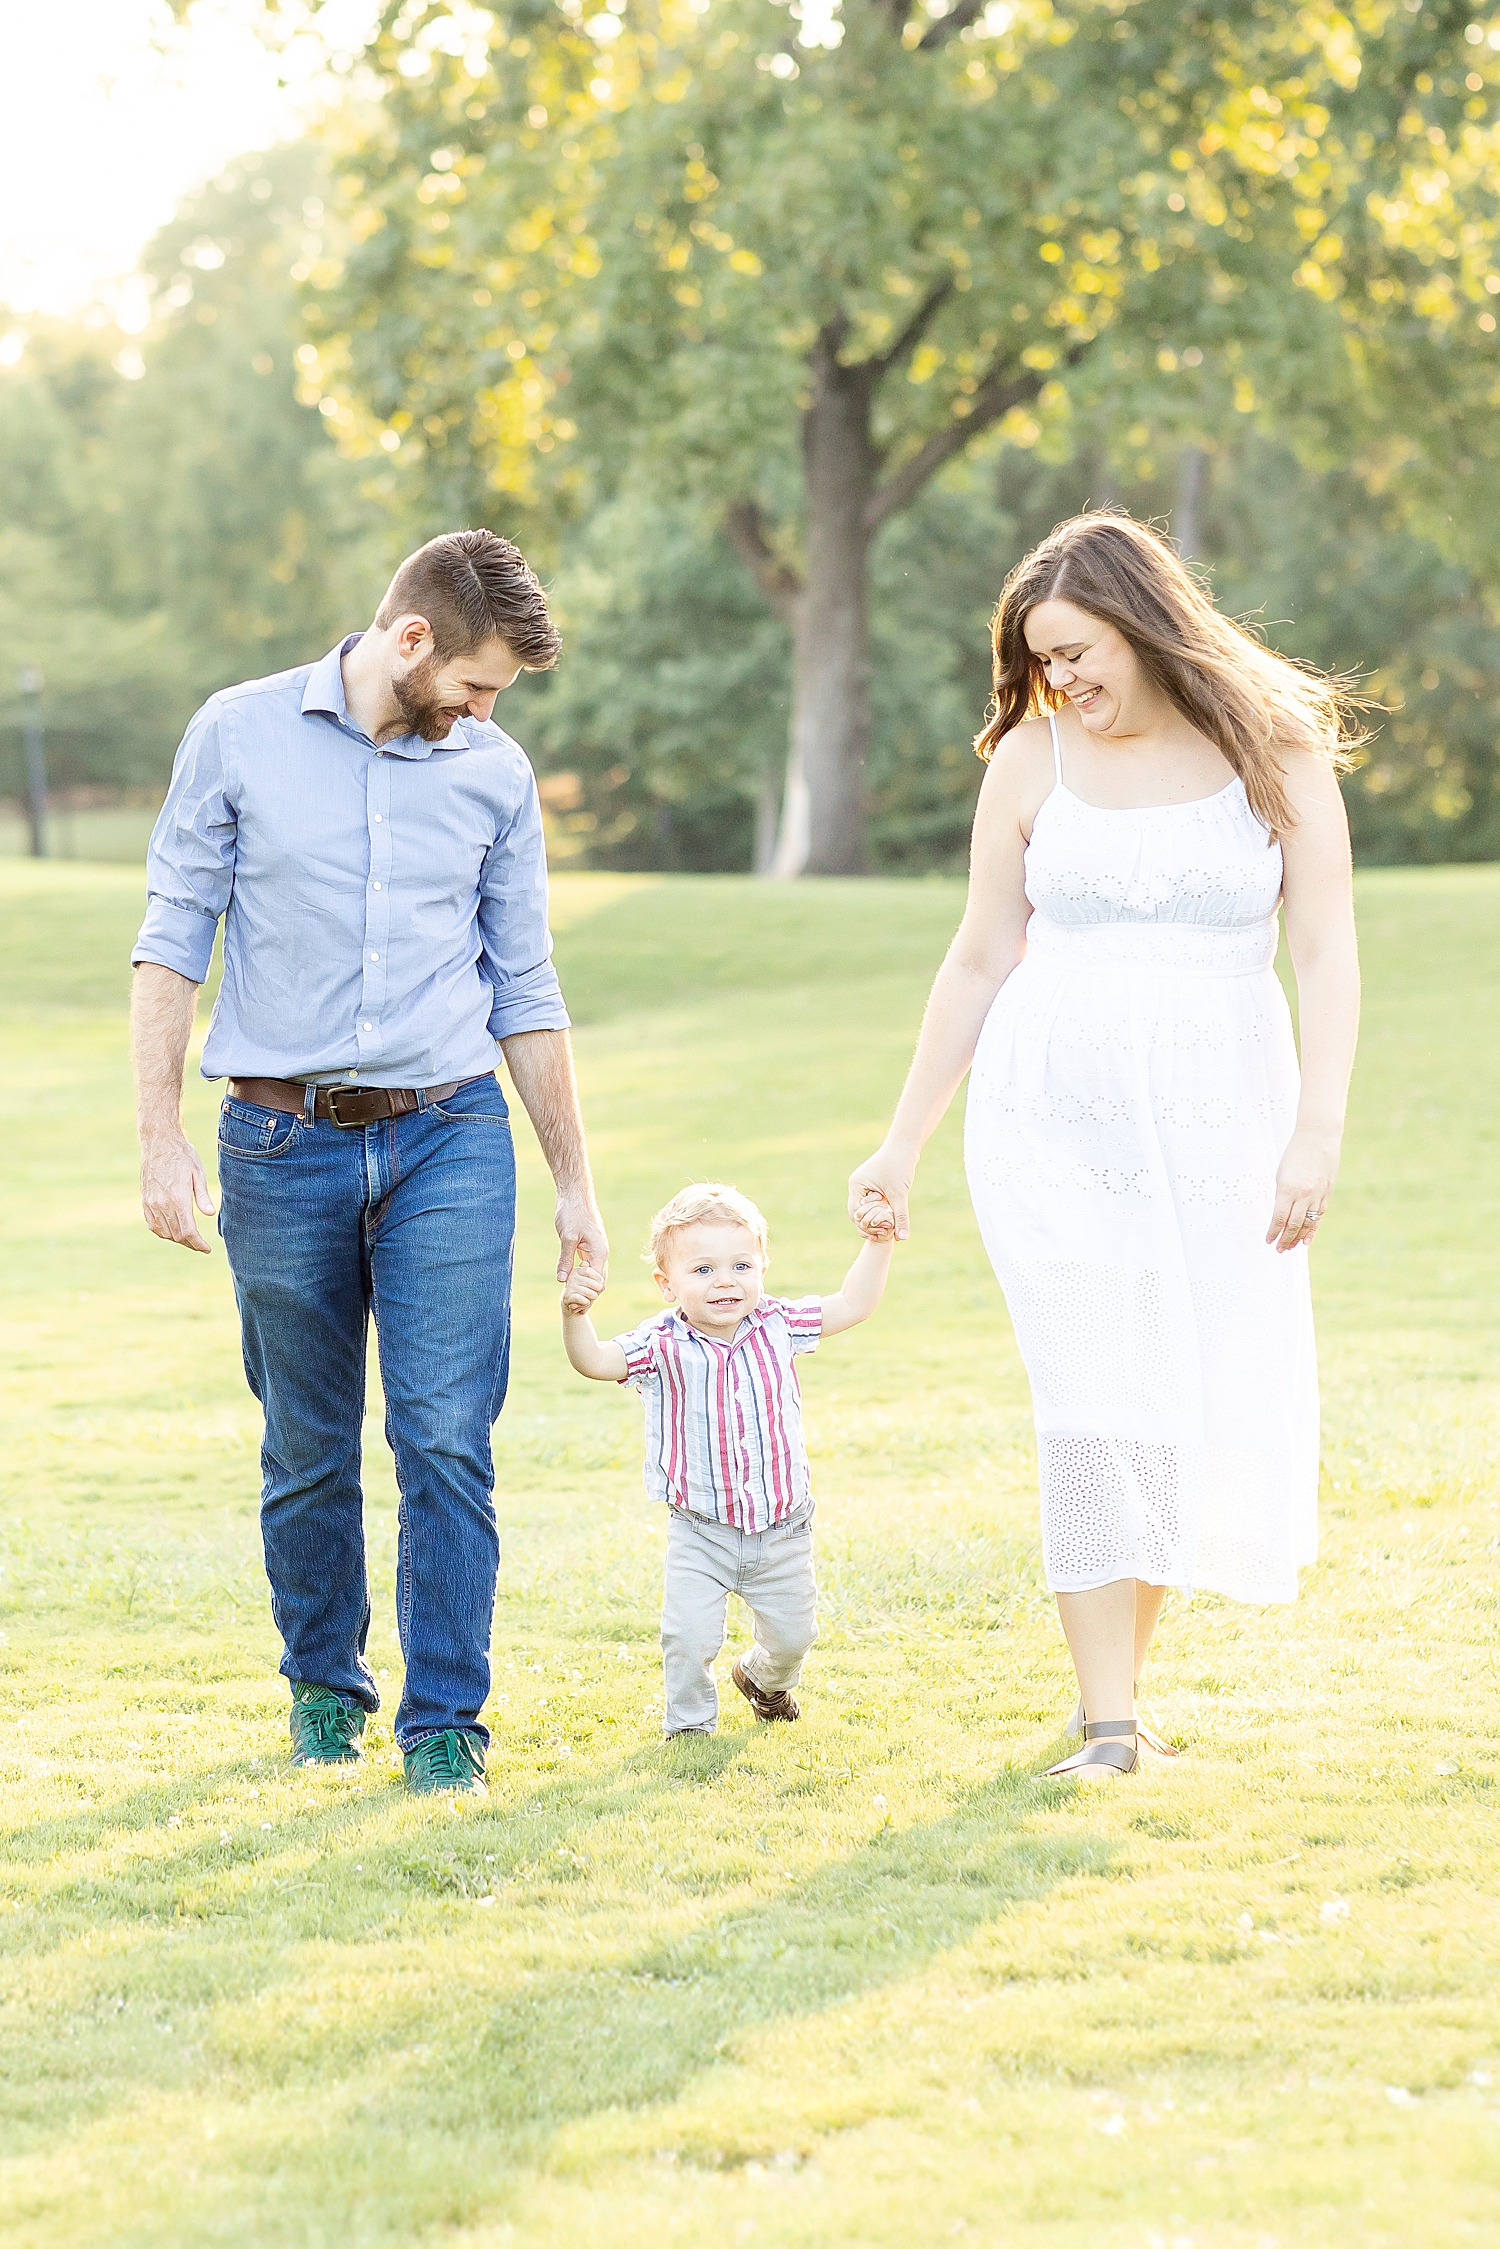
x: 862, y: 1980
x: 114, y: 833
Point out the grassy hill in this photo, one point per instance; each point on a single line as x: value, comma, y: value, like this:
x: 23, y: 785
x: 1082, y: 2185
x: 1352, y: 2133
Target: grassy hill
x: 862, y: 1980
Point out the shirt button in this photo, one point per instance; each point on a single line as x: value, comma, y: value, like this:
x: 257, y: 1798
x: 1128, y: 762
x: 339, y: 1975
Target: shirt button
x: 367, y: 1027
x: 375, y: 886
x: 374, y: 956
x: 351, y: 1073
x: 378, y: 818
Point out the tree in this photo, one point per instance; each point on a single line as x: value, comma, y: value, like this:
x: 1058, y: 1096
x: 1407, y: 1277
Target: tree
x: 794, y: 273
x: 172, y: 516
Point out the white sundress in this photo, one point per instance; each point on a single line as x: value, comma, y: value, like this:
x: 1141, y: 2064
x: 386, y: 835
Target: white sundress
x: 1133, y: 1088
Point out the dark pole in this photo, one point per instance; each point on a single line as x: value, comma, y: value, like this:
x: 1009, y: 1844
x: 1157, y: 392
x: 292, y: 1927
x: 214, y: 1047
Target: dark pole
x: 30, y: 684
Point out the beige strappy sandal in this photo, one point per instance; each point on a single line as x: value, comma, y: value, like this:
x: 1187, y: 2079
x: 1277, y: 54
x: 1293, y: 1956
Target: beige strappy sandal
x: 1073, y: 1731
x: 1107, y: 1742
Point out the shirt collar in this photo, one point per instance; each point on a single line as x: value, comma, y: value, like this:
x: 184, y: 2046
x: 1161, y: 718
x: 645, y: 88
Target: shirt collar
x: 324, y: 694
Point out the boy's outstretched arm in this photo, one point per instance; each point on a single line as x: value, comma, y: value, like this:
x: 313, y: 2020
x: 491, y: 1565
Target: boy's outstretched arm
x: 864, y: 1286
x: 601, y: 1362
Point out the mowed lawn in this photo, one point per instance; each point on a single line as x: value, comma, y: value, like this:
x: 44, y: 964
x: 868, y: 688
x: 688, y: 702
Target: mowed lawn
x: 868, y: 1979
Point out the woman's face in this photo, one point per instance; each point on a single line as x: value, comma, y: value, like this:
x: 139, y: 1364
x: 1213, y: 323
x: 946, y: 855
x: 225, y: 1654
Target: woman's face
x: 1093, y: 665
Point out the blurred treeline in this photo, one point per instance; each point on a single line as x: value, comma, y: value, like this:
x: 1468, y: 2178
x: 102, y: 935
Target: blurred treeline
x: 174, y: 516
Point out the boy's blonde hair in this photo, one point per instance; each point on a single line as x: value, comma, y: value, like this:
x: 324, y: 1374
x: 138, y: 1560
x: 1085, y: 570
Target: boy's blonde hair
x: 709, y: 1202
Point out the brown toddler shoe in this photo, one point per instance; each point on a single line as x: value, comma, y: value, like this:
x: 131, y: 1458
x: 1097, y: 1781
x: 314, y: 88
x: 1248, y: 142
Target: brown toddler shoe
x: 781, y: 1705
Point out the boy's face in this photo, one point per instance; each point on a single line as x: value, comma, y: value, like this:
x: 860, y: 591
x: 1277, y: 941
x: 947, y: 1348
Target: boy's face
x: 715, y: 1272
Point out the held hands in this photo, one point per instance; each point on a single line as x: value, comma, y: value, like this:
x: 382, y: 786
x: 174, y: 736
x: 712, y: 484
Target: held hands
x: 581, y: 1237
x: 878, y: 1194
x: 582, y: 1289
x: 1303, y: 1185
x: 172, y: 1182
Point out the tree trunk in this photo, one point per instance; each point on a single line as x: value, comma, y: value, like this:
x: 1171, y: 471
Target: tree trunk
x: 767, y: 819
x: 1192, y: 489
x: 823, y: 809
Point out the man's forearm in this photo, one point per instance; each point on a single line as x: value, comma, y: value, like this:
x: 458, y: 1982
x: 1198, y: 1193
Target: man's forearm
x: 541, y: 1068
x: 173, y: 1184
x: 162, y: 1007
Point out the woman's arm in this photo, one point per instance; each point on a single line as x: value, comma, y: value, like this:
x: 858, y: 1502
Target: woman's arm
x: 1318, y: 901
x: 990, y: 942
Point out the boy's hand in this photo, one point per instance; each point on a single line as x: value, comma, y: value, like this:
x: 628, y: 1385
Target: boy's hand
x: 582, y: 1289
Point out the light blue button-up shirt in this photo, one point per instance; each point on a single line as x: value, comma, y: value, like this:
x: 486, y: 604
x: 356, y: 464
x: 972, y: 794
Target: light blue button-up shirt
x: 385, y: 910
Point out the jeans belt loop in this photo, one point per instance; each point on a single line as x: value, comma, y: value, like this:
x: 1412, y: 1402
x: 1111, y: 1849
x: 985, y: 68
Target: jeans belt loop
x: 309, y: 1104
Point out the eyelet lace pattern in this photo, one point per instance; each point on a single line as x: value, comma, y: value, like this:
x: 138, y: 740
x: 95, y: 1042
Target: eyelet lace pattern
x: 1134, y: 1086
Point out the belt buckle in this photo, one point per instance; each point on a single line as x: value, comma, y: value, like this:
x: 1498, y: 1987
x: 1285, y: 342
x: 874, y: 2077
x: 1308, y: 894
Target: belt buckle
x: 345, y: 1124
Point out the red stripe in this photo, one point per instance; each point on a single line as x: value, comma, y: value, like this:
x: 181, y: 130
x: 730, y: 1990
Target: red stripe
x: 778, y: 1459
x: 721, y: 1421
x: 674, y: 1434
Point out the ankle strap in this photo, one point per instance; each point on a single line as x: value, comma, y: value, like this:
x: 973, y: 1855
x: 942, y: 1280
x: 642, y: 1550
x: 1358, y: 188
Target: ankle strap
x: 1097, y: 1729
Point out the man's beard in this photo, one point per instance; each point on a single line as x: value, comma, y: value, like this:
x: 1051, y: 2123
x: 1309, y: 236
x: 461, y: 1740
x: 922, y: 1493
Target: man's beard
x: 423, y: 713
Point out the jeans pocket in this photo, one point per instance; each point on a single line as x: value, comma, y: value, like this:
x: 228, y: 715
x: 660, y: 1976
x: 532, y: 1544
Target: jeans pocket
x: 246, y: 1129
x: 480, y: 1101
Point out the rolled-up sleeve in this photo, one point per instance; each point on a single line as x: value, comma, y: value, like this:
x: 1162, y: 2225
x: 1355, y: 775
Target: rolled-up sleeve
x: 515, y: 941
x: 190, y: 861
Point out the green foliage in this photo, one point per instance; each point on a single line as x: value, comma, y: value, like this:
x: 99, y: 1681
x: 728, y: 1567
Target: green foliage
x: 565, y: 246
x: 669, y: 705
x: 586, y: 263
x: 165, y: 531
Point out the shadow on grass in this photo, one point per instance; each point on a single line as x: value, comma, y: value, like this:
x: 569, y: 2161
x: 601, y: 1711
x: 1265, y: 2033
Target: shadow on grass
x: 504, y: 2044
x: 578, y: 2043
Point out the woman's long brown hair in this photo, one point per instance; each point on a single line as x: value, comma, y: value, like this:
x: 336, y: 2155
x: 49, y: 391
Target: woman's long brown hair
x: 1255, y: 706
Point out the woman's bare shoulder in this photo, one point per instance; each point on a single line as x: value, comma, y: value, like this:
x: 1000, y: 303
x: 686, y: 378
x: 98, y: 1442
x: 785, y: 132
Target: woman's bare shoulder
x: 1021, y: 767
x: 1311, y: 779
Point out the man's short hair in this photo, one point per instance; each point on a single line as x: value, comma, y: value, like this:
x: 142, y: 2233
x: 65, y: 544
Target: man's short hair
x: 474, y: 586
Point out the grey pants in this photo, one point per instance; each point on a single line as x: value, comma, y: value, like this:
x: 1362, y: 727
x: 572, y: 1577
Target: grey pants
x: 772, y: 1572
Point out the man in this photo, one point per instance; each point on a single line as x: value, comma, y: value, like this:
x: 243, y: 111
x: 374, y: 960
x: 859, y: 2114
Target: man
x: 374, y: 845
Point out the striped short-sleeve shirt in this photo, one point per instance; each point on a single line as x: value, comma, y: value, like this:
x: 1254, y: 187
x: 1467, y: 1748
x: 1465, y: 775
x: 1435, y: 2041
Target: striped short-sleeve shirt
x: 724, y: 1420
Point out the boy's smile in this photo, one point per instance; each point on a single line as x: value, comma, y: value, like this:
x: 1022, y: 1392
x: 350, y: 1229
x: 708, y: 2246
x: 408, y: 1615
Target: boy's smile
x: 715, y: 1273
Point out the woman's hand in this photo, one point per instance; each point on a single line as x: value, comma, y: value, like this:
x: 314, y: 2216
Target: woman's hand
x: 878, y: 1193
x: 1303, y: 1185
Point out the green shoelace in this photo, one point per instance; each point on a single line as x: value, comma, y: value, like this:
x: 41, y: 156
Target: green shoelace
x: 451, y: 1756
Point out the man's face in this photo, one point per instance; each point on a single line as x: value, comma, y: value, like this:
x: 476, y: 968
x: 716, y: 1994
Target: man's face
x: 430, y: 694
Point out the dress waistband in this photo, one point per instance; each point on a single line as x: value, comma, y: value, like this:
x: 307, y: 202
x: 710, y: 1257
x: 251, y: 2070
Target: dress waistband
x: 1173, y: 948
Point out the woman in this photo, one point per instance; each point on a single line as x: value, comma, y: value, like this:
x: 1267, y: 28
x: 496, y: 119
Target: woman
x: 1146, y: 1170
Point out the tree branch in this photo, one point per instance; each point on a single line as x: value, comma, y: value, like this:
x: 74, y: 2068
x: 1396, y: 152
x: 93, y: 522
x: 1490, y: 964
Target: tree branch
x: 993, y: 400
x: 895, y: 12
x: 911, y: 335
x: 745, y: 528
x: 958, y: 18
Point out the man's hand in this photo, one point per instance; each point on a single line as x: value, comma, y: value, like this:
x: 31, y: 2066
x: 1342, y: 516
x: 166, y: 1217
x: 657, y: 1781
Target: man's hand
x: 172, y: 1182
x: 580, y: 1234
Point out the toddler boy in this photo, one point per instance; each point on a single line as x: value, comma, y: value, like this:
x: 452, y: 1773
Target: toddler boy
x: 724, y: 1440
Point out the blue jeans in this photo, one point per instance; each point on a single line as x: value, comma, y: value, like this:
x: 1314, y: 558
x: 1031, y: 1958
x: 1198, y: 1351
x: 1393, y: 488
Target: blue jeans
x: 412, y: 1219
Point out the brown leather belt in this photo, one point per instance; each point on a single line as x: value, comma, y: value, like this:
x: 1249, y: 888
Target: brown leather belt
x: 343, y: 1105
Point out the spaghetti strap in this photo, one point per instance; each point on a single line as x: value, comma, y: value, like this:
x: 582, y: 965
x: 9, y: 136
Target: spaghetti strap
x: 1056, y: 749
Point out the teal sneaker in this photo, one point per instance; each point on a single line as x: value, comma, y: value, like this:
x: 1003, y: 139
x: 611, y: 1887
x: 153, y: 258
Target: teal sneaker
x: 325, y: 1731
x: 448, y: 1764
